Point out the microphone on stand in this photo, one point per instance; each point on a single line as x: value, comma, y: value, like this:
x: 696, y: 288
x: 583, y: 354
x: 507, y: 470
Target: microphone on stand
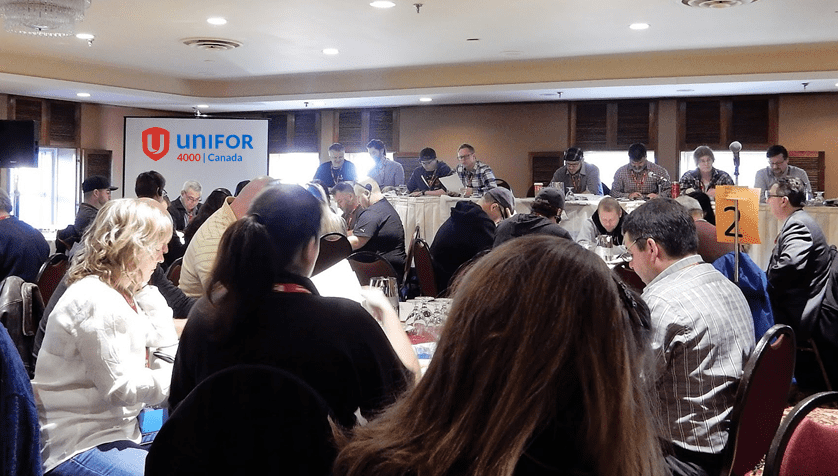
x: 735, y: 147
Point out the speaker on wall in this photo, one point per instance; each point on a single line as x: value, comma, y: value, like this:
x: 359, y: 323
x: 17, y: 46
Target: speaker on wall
x: 18, y: 144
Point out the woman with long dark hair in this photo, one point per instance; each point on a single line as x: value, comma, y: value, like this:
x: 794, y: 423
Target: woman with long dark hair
x: 532, y: 375
x: 262, y: 308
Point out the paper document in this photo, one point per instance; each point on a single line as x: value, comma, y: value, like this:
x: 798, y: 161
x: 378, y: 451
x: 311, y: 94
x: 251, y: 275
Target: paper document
x: 452, y: 183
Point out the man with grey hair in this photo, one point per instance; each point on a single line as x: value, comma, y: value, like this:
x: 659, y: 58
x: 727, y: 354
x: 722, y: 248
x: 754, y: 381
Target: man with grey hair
x: 23, y: 249
x: 184, y: 208
x: 709, y: 248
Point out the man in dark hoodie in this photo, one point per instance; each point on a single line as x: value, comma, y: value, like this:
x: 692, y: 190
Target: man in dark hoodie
x: 425, y: 178
x: 606, y: 220
x: 544, y: 218
x: 468, y: 231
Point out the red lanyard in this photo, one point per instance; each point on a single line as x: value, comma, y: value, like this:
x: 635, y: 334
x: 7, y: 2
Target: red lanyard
x: 290, y: 288
x: 638, y: 184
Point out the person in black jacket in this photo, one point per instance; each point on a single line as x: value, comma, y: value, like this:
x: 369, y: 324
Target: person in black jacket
x: 425, y: 178
x: 544, y: 218
x: 468, y: 231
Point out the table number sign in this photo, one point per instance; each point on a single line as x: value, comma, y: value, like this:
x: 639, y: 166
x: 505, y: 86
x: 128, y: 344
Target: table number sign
x: 748, y: 198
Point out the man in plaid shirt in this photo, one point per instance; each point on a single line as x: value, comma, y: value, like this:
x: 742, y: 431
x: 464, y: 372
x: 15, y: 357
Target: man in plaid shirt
x: 476, y: 176
x: 640, y: 178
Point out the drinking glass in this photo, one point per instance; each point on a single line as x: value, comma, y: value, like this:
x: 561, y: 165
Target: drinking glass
x: 389, y: 287
x: 569, y: 195
x: 604, y: 247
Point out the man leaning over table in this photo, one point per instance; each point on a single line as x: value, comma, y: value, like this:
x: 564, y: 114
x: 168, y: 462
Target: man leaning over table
x: 476, y: 176
x: 702, y: 334
x: 425, y: 178
x: 640, y: 178
x: 576, y: 173
x: 387, y: 173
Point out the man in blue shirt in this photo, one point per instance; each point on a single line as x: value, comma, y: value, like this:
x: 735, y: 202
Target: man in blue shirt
x: 338, y: 169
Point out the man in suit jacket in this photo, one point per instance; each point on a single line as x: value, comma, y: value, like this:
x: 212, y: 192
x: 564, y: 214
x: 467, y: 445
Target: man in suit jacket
x: 798, y: 270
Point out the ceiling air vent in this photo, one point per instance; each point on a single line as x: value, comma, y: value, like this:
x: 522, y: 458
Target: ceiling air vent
x: 211, y: 44
x: 715, y: 3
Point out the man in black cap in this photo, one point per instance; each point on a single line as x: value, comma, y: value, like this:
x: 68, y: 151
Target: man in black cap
x: 97, y: 191
x: 425, y: 178
x: 576, y: 173
x: 543, y: 219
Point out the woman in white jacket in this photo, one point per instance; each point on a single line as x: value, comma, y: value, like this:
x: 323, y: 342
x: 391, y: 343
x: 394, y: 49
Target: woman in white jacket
x: 96, y: 368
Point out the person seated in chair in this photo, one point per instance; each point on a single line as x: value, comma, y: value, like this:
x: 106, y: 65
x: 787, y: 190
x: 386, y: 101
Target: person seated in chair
x: 702, y: 334
x: 606, y: 220
x: 543, y: 219
x: 23, y: 249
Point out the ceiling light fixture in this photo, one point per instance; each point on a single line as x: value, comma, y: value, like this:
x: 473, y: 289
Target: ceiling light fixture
x: 83, y: 95
x: 382, y: 4
x: 202, y: 106
x: 217, y: 21
x: 84, y: 36
x: 43, y: 17
x: 425, y: 99
x: 715, y: 3
x: 639, y: 26
x: 330, y: 51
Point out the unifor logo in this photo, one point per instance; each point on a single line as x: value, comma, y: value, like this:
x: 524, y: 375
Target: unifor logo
x: 155, y: 143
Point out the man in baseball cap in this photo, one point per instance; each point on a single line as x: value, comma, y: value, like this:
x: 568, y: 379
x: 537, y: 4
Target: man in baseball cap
x: 97, y: 191
x: 543, y: 218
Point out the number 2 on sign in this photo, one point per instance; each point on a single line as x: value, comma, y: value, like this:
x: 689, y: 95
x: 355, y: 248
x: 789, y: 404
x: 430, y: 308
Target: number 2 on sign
x: 729, y: 231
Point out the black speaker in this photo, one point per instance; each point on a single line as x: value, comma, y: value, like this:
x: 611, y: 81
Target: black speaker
x: 18, y: 144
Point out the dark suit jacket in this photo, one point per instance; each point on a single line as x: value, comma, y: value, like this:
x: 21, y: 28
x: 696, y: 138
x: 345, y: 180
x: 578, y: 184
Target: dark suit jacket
x: 797, y: 273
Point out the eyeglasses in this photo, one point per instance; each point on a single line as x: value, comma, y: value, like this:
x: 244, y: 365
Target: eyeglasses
x: 768, y: 195
x: 464, y: 157
x: 426, y: 161
x: 626, y: 256
x: 773, y: 163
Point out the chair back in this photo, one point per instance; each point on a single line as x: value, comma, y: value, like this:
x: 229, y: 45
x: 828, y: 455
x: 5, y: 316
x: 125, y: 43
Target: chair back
x: 760, y: 400
x: 630, y: 277
x: 424, y: 268
x: 367, y: 264
x: 802, y: 445
x: 334, y: 247
x: 173, y: 273
x: 463, y: 269
x: 21, y: 309
x: 246, y: 419
x: 409, y: 259
x: 51, y: 273
x: 503, y: 183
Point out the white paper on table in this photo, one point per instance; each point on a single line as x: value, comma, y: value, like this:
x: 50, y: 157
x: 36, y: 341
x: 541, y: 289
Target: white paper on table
x: 452, y: 183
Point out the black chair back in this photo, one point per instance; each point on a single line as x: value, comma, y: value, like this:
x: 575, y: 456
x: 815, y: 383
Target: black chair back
x: 334, y: 247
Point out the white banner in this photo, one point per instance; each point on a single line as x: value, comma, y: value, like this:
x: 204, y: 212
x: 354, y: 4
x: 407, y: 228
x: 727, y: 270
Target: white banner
x: 215, y: 152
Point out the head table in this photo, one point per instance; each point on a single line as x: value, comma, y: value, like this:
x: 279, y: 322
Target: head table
x: 429, y: 213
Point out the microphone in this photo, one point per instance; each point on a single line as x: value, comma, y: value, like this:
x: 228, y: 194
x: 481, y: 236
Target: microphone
x: 735, y: 147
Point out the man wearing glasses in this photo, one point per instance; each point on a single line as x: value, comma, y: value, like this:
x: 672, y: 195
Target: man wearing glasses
x: 425, y: 178
x: 476, y: 176
x: 797, y: 274
x: 778, y: 166
x: 184, y: 208
x: 702, y: 334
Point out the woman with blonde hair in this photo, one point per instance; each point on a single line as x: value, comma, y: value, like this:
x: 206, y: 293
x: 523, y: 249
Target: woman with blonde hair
x: 97, y: 366
x: 531, y: 376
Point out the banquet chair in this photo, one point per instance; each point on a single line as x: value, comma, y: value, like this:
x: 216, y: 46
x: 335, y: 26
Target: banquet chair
x: 334, y: 247
x: 760, y: 401
x: 503, y: 183
x: 630, y: 277
x: 173, y: 273
x: 51, y: 273
x: 246, y: 419
x: 463, y: 269
x: 367, y: 264
x: 424, y: 268
x: 803, y: 446
x: 409, y: 260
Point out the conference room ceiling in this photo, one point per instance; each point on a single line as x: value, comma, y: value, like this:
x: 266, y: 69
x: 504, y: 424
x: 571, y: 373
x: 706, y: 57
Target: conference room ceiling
x: 451, y: 51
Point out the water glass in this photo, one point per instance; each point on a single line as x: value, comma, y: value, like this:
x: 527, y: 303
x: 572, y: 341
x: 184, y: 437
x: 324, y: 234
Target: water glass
x: 389, y: 287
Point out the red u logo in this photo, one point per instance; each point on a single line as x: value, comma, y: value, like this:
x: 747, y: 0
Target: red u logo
x: 155, y: 143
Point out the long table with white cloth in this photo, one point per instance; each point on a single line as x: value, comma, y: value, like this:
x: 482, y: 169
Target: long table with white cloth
x: 429, y: 213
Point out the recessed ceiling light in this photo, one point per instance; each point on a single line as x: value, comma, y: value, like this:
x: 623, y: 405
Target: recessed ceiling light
x: 836, y: 85
x: 382, y: 4
x: 425, y: 99
x: 202, y: 106
x: 83, y: 95
x: 639, y: 26
x: 684, y: 90
x: 84, y: 36
x: 217, y: 21
x: 330, y: 51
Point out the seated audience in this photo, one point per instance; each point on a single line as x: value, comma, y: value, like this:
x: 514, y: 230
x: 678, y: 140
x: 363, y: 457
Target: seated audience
x: 475, y: 176
x: 97, y: 366
x: 263, y: 308
x: 705, y: 177
x: 706, y: 205
x: 215, y: 200
x: 378, y: 228
x: 543, y: 219
x: 498, y: 203
x: 576, y: 173
x: 606, y: 220
x: 468, y: 231
x: 709, y: 248
x: 185, y: 208
x: 23, y: 249
x: 387, y: 173
x: 798, y: 274
x: 425, y: 178
x: 702, y: 335
x: 349, y: 203
x: 152, y: 185
x: 520, y: 383
x: 203, y: 249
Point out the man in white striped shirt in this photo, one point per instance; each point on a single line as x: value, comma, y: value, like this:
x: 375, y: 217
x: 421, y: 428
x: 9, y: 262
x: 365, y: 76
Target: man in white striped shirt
x: 702, y: 334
